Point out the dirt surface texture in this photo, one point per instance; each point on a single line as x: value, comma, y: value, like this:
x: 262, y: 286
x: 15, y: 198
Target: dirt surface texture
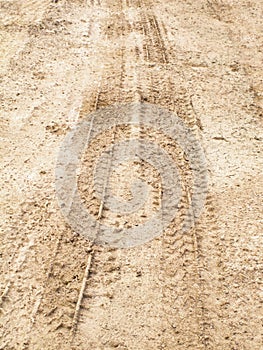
x: 89, y: 64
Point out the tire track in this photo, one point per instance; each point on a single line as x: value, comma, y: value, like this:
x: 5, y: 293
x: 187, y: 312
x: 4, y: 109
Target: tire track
x: 114, y: 88
x: 69, y: 298
x: 209, y: 276
x: 67, y: 278
x: 154, y: 45
x: 183, y: 251
x: 78, y: 294
x: 47, y: 307
x: 183, y: 293
x: 108, y: 92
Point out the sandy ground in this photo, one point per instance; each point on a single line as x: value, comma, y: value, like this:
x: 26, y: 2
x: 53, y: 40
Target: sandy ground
x: 61, y: 60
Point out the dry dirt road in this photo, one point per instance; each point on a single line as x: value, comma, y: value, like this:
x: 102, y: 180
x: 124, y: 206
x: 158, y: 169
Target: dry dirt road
x: 60, y: 61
